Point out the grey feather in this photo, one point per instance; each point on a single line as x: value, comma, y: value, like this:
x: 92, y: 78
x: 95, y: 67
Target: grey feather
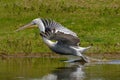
x: 50, y: 24
x: 57, y: 32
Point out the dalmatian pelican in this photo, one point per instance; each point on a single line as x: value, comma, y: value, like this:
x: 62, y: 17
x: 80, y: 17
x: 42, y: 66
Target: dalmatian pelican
x: 66, y: 42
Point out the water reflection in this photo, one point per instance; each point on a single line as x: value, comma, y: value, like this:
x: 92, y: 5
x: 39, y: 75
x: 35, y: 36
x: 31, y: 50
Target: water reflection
x: 54, y: 69
x: 74, y: 72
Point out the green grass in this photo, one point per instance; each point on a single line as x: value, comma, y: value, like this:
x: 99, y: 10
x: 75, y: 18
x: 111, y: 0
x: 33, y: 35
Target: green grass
x: 97, y: 23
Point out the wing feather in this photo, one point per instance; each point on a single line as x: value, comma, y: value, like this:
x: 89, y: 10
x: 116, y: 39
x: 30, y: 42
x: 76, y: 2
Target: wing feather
x: 62, y: 34
x: 63, y: 38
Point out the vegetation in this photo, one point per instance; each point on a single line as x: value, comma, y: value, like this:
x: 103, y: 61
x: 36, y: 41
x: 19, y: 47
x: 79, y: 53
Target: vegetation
x: 97, y: 23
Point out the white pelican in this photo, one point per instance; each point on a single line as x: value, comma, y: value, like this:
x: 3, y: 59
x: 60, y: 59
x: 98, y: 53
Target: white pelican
x: 67, y: 42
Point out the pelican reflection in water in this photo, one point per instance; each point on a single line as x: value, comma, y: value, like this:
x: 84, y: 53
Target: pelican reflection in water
x: 66, y: 41
x: 66, y: 73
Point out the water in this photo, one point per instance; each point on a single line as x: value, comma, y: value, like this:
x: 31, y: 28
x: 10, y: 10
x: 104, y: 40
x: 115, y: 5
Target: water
x: 54, y: 69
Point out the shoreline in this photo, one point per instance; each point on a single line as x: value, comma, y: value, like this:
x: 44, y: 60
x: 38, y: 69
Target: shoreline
x: 53, y: 55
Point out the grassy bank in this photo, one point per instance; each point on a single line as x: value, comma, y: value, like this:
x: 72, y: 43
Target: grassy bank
x: 97, y: 23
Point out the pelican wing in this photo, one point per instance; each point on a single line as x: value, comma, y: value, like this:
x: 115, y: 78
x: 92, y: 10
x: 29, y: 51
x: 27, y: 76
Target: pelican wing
x: 50, y: 24
x: 63, y: 38
x: 61, y: 34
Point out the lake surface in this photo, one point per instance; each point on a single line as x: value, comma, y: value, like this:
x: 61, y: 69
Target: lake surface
x: 55, y: 69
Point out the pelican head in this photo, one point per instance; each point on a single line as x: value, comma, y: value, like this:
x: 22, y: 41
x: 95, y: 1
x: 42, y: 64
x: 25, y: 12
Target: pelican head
x: 36, y: 21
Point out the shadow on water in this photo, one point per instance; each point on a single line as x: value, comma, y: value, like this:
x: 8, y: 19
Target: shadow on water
x: 54, y: 69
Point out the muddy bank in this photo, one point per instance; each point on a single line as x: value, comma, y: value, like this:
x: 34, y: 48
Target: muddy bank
x: 30, y: 55
x: 53, y: 55
x: 104, y: 55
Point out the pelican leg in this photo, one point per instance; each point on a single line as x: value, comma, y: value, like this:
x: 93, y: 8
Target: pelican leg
x: 83, y: 58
